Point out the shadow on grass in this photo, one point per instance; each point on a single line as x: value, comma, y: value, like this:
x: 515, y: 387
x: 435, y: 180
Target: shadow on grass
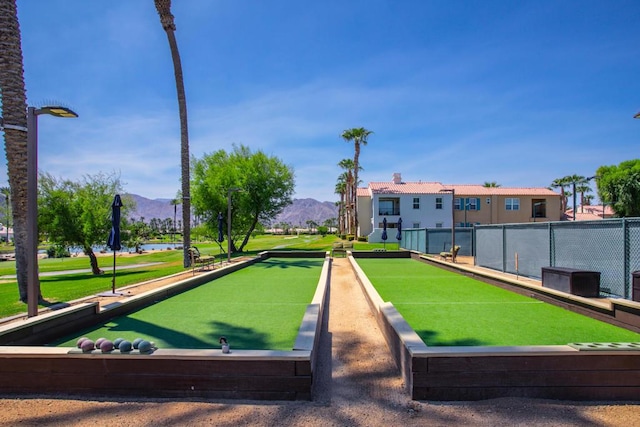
x: 431, y: 339
x: 130, y: 328
x: 291, y: 262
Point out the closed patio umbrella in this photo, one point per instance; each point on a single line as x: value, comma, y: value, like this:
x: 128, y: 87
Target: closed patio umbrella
x: 220, y: 228
x: 220, y: 233
x: 114, y: 236
x: 384, y: 232
x: 399, y: 234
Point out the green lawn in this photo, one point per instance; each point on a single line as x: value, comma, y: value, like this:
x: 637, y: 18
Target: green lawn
x: 68, y: 287
x: 259, y: 307
x: 449, y: 309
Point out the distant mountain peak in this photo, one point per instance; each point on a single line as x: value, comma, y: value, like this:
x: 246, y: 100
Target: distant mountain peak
x: 296, y: 214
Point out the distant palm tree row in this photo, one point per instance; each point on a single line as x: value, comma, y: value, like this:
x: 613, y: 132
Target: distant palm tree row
x: 581, y: 184
x: 347, y: 184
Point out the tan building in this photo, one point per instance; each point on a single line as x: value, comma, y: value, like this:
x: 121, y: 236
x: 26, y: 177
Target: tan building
x: 437, y: 205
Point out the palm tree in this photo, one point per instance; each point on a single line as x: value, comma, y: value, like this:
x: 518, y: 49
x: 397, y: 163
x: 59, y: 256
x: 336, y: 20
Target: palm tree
x: 341, y: 189
x: 358, y: 136
x: 174, y: 202
x: 583, y: 188
x: 491, y: 184
x: 14, y: 112
x: 6, y: 192
x: 574, y: 181
x: 561, y: 183
x: 348, y: 177
x: 166, y: 19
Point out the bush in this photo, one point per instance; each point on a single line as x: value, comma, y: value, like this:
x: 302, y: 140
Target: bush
x: 363, y: 239
x: 58, y: 251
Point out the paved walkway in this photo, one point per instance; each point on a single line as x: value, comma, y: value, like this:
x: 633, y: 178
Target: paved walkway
x: 85, y: 270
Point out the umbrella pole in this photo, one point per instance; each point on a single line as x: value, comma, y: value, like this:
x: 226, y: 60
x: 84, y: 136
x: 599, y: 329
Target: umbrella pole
x: 113, y: 281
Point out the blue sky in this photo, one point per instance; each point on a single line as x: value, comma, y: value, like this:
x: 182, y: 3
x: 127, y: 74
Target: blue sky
x: 517, y: 92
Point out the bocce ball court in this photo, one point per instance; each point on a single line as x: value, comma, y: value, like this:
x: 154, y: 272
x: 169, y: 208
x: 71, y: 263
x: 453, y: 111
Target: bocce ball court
x: 455, y: 337
x: 269, y: 309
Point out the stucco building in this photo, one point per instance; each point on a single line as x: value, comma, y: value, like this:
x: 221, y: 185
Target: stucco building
x: 436, y: 205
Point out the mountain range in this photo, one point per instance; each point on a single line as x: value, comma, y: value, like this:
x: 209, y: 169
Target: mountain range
x: 296, y: 214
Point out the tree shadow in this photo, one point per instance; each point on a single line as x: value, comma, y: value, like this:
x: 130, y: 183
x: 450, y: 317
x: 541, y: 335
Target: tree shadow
x: 131, y: 328
x: 431, y: 339
x: 290, y: 263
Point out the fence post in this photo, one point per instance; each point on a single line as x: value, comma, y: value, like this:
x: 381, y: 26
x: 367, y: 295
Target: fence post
x: 552, y: 246
x: 627, y: 267
x: 504, y: 248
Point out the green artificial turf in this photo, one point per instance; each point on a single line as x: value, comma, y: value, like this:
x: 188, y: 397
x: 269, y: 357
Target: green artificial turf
x: 259, y: 307
x: 449, y: 309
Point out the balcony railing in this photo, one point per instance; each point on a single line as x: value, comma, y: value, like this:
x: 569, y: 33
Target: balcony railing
x: 388, y: 212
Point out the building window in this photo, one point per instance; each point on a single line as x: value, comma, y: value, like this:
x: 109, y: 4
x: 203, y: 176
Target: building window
x: 416, y: 203
x: 389, y: 207
x: 539, y: 208
x: 416, y: 225
x: 438, y: 202
x: 457, y: 203
x: 512, y: 204
x: 472, y: 204
x: 439, y: 225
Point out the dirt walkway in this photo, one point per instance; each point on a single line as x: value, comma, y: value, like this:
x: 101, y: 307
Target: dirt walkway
x: 357, y: 384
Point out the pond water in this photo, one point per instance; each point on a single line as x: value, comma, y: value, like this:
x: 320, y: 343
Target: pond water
x: 144, y: 247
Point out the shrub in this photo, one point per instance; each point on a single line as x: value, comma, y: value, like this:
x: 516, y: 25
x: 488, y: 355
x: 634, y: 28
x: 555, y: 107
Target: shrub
x: 58, y: 251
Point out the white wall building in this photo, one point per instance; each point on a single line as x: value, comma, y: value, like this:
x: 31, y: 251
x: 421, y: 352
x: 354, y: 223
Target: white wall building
x: 434, y: 205
x: 419, y: 204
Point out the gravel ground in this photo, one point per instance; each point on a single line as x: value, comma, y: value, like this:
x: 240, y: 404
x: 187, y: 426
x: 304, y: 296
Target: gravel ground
x: 357, y: 384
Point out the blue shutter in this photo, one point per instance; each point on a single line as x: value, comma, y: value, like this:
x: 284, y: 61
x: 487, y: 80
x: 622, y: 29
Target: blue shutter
x: 478, y: 203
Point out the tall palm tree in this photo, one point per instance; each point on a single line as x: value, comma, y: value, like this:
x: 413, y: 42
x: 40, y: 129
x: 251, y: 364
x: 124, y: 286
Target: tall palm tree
x: 6, y: 192
x: 574, y: 181
x: 359, y: 136
x: 349, y: 205
x: 561, y: 183
x: 341, y: 190
x: 583, y: 188
x: 14, y: 112
x: 491, y: 184
x: 166, y: 19
x: 174, y: 202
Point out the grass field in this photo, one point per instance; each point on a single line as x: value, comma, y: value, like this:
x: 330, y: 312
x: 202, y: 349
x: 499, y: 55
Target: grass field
x: 449, y: 309
x: 69, y: 287
x: 259, y: 307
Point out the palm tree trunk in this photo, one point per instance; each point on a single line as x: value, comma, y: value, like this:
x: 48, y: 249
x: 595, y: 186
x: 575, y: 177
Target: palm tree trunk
x: 166, y: 18
x: 354, y: 194
x: 14, y: 112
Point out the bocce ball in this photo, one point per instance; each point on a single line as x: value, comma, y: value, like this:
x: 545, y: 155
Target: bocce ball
x: 124, y: 346
x: 87, y: 345
x: 106, y: 346
x: 144, y: 346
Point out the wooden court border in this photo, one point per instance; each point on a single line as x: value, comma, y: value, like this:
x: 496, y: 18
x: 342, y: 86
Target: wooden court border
x: 484, y: 372
x: 27, y: 367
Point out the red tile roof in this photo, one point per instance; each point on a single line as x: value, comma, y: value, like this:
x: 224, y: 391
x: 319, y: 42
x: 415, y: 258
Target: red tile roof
x: 461, y: 189
x: 405, y: 187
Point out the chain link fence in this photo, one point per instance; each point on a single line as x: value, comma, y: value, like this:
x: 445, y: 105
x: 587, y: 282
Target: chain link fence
x: 610, y: 246
x: 436, y: 240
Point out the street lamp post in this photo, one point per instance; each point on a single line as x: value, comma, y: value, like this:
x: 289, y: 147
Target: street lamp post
x: 33, y: 282
x: 231, y: 190
x: 453, y: 220
x: 466, y: 207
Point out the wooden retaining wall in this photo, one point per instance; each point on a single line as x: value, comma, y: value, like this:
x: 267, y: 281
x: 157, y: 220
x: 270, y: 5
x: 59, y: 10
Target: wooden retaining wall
x: 607, y: 372
x: 240, y: 374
